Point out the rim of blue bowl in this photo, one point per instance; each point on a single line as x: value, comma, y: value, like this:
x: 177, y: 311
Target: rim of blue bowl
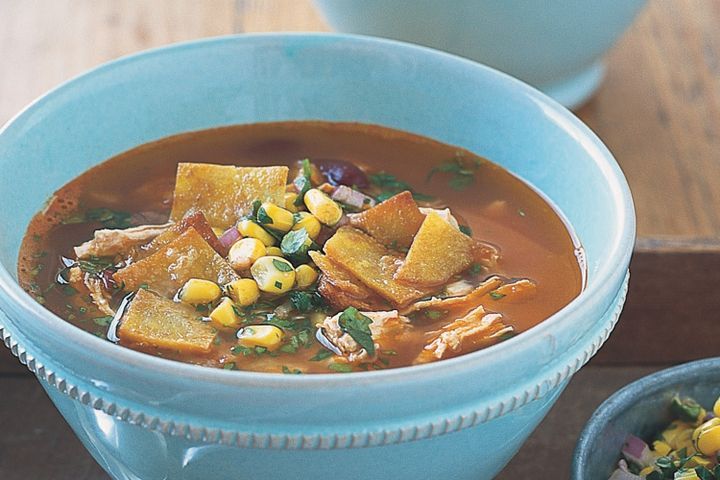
x: 623, y: 241
x: 624, y: 399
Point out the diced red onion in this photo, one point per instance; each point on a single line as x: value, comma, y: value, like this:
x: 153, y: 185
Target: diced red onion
x: 229, y: 237
x: 637, y: 451
x: 352, y: 197
x: 341, y: 172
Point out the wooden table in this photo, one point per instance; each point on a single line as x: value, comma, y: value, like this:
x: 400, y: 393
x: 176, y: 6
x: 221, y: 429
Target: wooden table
x: 658, y: 111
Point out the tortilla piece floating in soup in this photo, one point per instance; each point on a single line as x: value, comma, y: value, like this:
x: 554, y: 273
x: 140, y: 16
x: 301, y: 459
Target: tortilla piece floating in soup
x: 299, y: 248
x: 154, y: 321
x: 224, y: 193
x: 166, y: 270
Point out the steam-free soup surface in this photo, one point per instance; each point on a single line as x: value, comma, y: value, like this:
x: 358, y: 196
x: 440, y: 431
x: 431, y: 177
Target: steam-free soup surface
x: 386, y: 282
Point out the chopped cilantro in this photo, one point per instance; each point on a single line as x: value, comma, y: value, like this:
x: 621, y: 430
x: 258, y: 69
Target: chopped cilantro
x: 391, y: 186
x: 262, y: 217
x: 466, y: 230
x: 282, y: 266
x: 229, y: 366
x: 67, y: 290
x: 278, y: 284
x: 495, y: 295
x: 322, y: 354
x: 103, y: 321
x: 389, y: 353
x: 461, y: 170
x: 476, y: 269
x: 144, y: 286
x: 294, y: 371
x: 357, y: 325
x: 303, y: 182
x: 434, y: 314
x: 95, y: 265
x: 307, y: 301
x: 340, y: 367
x: 296, y: 244
x: 507, y: 336
x: 241, y: 350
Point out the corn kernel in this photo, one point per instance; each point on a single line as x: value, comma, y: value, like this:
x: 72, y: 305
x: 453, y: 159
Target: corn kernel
x: 244, y: 252
x: 707, y: 437
x: 197, y: 291
x: 277, y: 218
x: 268, y: 336
x: 698, y: 461
x: 248, y: 228
x: 273, y: 274
x: 305, y: 276
x: 243, y: 291
x: 218, y: 231
x: 309, y: 222
x: 716, y: 407
x: 323, y: 207
x: 274, y: 251
x: 661, y: 448
x: 290, y: 198
x: 224, y: 314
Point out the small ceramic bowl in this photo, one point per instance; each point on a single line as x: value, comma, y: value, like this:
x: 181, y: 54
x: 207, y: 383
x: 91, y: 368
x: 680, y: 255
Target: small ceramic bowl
x: 464, y: 418
x: 641, y: 409
x: 554, y: 45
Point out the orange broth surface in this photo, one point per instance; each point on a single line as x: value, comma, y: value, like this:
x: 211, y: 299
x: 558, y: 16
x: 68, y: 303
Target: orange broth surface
x: 499, y: 208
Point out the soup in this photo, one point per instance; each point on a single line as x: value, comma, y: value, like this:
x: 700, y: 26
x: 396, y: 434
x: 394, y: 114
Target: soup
x: 300, y: 247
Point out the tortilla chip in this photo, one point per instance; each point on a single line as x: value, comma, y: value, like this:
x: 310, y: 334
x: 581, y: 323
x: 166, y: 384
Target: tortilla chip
x: 165, y: 271
x: 438, y: 252
x: 194, y: 219
x: 225, y: 192
x: 393, y: 222
x: 371, y: 263
x: 151, y: 320
x: 341, y: 289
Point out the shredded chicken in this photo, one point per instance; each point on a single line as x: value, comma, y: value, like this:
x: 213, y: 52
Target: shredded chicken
x: 352, y: 197
x: 518, y: 291
x: 458, y: 288
x: 476, y: 327
x: 470, y: 300
x: 106, y: 242
x: 100, y: 297
x: 384, y: 325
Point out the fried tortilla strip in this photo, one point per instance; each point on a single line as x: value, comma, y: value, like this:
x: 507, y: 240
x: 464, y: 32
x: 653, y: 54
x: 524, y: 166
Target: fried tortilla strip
x: 471, y: 300
x: 392, y: 222
x: 194, y: 219
x: 153, y: 321
x: 371, y: 263
x: 438, y: 252
x: 476, y: 329
x: 165, y: 271
x: 225, y: 192
x: 341, y: 289
x: 111, y: 242
x: 517, y: 292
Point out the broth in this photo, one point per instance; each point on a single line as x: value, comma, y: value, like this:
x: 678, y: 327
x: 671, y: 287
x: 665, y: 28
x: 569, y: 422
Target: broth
x: 498, y: 208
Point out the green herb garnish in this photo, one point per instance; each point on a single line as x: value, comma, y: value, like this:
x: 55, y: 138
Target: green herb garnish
x: 322, y: 354
x: 303, y: 182
x: 294, y: 371
x: 685, y: 409
x: 103, y: 321
x: 278, y: 285
x: 307, y: 301
x: 434, y: 314
x: 95, y: 265
x: 357, y: 325
x: 282, y: 266
x: 262, y: 217
x: 229, y: 366
x: 68, y: 291
x: 296, y: 244
x: 109, y: 218
x: 340, y: 367
x: 466, y: 230
x: 391, y: 186
x: 461, y: 170
x: 495, y: 295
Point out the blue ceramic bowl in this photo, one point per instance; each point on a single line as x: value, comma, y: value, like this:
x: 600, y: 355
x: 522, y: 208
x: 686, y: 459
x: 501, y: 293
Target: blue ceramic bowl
x: 146, y: 417
x: 554, y: 45
x: 641, y: 409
